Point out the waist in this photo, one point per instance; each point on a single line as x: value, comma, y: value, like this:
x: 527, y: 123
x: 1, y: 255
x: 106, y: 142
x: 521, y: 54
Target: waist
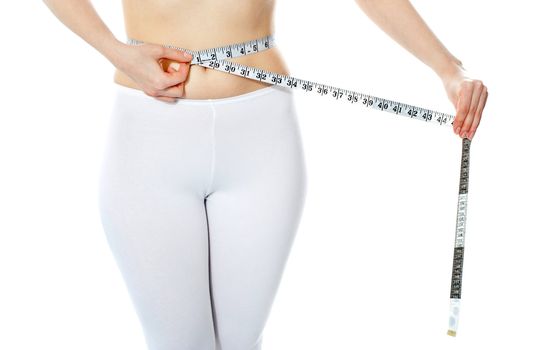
x: 207, y: 83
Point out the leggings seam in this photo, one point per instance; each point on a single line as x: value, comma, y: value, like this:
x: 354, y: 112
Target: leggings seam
x: 213, y: 142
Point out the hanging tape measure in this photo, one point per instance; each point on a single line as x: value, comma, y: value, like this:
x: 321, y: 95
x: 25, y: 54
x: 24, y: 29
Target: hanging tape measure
x: 215, y: 58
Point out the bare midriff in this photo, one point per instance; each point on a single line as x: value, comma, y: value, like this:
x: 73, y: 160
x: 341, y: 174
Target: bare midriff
x: 198, y: 25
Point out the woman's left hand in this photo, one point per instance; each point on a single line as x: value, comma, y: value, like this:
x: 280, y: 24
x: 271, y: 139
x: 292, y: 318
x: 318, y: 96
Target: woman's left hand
x: 468, y: 95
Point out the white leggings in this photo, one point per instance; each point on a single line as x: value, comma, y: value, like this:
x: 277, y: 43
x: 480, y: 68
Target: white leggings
x: 200, y: 203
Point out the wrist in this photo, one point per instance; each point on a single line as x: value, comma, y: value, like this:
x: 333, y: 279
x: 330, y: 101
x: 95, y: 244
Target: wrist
x: 451, y: 69
x: 113, y: 49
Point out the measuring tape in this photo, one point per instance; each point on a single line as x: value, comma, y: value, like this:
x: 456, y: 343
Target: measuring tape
x: 215, y: 58
x: 458, y: 254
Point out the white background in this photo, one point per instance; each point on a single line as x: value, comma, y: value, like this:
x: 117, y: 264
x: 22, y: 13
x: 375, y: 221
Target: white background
x: 371, y: 264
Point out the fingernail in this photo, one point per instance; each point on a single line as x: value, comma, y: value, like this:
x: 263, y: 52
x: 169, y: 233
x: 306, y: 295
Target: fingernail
x: 187, y: 55
x: 471, y: 134
x: 458, y: 130
x: 175, y: 66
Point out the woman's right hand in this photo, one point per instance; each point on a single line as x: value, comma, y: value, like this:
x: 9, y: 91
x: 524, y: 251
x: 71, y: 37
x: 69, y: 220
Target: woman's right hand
x: 152, y: 67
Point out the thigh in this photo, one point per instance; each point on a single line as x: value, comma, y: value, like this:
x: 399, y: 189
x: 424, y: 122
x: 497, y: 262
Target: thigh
x: 253, y: 212
x: 251, y: 232
x: 160, y: 247
x: 155, y: 224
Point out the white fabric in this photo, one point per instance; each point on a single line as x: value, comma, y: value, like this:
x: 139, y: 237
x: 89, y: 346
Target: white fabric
x: 200, y: 202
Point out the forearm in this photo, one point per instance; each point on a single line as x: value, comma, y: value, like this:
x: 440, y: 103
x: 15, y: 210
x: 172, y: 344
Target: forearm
x: 401, y: 22
x: 81, y: 18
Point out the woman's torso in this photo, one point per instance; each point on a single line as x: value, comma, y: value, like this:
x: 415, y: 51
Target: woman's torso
x: 204, y: 24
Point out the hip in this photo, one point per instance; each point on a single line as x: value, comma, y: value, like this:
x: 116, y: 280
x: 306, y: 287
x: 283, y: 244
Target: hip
x: 205, y: 144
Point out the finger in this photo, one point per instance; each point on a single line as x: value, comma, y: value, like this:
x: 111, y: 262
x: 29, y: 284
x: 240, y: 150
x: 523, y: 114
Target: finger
x: 166, y: 99
x: 463, y: 105
x: 176, y: 55
x: 155, y: 94
x: 478, y: 86
x: 173, y: 78
x: 479, y: 111
x: 173, y: 91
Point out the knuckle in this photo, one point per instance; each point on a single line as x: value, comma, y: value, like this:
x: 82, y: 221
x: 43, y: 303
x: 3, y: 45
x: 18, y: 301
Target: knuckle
x: 159, y: 84
x: 150, y: 92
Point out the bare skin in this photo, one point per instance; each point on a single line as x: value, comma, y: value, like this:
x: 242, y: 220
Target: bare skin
x: 149, y: 67
x: 231, y: 21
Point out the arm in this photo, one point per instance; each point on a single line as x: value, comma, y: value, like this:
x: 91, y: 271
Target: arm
x: 81, y: 18
x: 399, y: 20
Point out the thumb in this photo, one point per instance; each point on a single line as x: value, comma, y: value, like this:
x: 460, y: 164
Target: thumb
x: 180, y: 68
x: 176, y: 55
x: 175, y: 66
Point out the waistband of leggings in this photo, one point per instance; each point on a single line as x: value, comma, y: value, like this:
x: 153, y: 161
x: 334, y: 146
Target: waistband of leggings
x: 188, y: 101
